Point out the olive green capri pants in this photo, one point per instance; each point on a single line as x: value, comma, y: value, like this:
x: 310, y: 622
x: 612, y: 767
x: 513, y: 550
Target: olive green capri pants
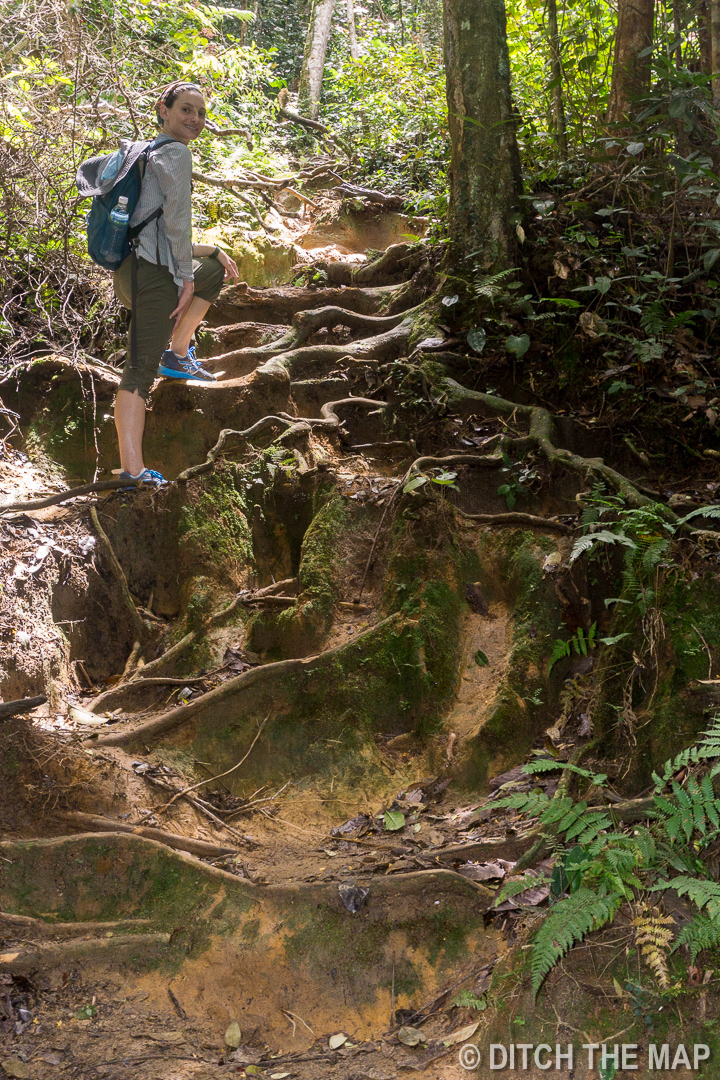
x: 157, y: 298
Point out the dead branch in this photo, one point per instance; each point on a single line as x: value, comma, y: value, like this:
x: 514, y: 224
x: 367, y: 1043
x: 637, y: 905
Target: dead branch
x: 96, y: 823
x: 173, y: 718
x: 8, y: 709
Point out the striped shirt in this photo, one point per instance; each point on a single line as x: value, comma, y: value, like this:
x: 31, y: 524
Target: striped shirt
x: 167, y: 183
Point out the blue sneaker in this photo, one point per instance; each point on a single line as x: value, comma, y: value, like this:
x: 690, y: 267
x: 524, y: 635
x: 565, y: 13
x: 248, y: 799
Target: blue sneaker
x: 147, y: 476
x: 183, y: 367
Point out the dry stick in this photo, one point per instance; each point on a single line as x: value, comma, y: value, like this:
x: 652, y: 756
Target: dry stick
x: 219, y: 776
x: 119, y: 575
x: 8, y: 709
x: 182, y: 713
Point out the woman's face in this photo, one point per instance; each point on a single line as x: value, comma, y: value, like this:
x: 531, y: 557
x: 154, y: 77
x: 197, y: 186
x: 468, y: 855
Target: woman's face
x: 186, y: 117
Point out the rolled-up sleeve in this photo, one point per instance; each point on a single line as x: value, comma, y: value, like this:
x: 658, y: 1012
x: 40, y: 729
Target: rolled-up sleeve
x: 173, y: 169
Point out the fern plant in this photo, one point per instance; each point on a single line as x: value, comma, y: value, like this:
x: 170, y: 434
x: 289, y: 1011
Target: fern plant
x: 603, y: 865
x: 699, y: 934
x: 569, y: 921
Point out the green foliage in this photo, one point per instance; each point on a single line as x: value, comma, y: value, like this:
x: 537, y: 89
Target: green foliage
x: 580, y: 643
x: 603, y: 865
x: 466, y: 999
x: 701, y: 933
x: 569, y: 921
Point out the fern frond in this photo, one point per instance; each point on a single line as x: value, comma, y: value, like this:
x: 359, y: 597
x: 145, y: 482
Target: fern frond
x: 531, y: 803
x: 699, y: 934
x: 702, y: 893
x: 544, y: 764
x: 567, y: 923
x: 654, y: 934
x: 515, y: 886
x: 603, y: 536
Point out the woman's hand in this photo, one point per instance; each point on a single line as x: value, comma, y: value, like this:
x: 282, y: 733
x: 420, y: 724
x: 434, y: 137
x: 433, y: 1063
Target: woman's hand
x: 184, y: 302
x: 231, y: 270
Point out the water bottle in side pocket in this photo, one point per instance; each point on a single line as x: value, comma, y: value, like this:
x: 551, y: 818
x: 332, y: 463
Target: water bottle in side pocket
x: 116, y: 231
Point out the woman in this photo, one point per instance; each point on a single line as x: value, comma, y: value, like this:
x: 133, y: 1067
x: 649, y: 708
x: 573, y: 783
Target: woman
x: 170, y: 285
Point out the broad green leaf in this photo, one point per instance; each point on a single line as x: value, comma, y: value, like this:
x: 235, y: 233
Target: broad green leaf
x: 393, y: 820
x: 476, y: 339
x: 518, y: 344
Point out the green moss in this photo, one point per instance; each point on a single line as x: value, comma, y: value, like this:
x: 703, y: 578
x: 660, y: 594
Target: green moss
x: 214, y: 531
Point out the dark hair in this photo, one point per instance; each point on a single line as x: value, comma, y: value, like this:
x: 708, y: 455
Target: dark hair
x: 170, y: 94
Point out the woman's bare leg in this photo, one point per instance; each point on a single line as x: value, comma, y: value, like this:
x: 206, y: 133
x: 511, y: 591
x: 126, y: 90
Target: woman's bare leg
x: 184, y: 330
x: 130, y: 425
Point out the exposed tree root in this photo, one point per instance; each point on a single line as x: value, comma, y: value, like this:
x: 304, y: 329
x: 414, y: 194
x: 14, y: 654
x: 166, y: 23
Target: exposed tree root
x: 71, y: 493
x: 22, y: 961
x: 40, y: 928
x: 173, y: 718
x: 95, y: 823
x: 386, y: 346
x: 112, y: 698
x: 242, y: 303
x: 329, y: 422
x: 140, y: 627
x: 531, y: 521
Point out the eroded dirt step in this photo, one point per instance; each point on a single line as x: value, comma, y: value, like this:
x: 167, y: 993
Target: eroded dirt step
x: 230, y: 950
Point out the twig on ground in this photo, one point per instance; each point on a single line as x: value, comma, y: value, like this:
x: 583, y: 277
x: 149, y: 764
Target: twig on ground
x: 220, y: 776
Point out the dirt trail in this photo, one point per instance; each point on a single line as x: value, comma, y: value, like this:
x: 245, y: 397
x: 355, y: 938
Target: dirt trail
x: 349, y: 661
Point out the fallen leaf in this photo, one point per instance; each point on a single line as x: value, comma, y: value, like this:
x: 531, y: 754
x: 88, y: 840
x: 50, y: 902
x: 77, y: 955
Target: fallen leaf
x: 393, y: 820
x: 410, y: 1036
x: 353, y: 896
x: 336, y: 1041
x: 233, y: 1035
x: 172, y: 1038
x: 461, y: 1035
x: 278, y: 1076
x: 83, y: 717
x: 17, y: 1068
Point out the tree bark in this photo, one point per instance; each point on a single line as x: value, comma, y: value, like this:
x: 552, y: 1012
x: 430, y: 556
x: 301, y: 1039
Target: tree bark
x: 703, y: 24
x: 313, y: 65
x: 485, y: 181
x: 715, y: 49
x: 352, y: 34
x: 631, y: 72
x: 556, y: 74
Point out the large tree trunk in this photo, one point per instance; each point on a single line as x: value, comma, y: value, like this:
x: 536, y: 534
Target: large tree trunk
x: 556, y: 73
x: 313, y: 65
x: 715, y: 49
x: 485, y: 182
x: 631, y: 71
